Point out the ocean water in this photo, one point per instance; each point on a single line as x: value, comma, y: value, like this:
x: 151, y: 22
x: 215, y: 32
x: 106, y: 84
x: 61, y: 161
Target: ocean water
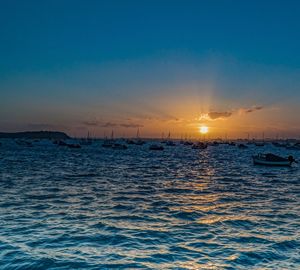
x: 97, y: 208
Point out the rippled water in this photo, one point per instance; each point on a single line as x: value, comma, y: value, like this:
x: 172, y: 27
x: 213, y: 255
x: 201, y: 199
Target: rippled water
x: 97, y: 208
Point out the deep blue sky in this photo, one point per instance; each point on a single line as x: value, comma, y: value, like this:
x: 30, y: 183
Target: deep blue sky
x: 56, y: 54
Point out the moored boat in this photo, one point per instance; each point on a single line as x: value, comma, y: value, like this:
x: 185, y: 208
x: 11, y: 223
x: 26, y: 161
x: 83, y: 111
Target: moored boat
x: 199, y: 145
x: 170, y: 143
x: 242, y: 146
x: 119, y: 146
x: 272, y: 160
x: 156, y: 147
x: 259, y: 144
x: 74, y: 145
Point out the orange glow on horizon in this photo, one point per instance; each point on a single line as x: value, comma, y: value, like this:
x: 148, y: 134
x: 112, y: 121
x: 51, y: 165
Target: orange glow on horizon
x: 203, y: 129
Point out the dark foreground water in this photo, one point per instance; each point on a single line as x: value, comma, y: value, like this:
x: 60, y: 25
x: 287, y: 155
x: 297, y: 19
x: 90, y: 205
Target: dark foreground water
x: 96, y: 208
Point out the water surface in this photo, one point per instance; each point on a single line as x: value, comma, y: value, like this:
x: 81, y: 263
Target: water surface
x: 97, y: 208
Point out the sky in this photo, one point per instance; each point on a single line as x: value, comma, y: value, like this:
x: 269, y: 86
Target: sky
x: 157, y: 66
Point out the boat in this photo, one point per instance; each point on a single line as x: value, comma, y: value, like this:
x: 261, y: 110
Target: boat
x: 199, y: 145
x: 73, y: 145
x: 119, y: 146
x: 273, y: 160
x: 259, y: 144
x: 156, y: 147
x: 242, y: 146
x: 214, y: 143
x: 188, y: 143
x: 108, y: 143
x: 138, y: 140
x: 170, y: 143
x: 86, y: 141
x: 61, y: 143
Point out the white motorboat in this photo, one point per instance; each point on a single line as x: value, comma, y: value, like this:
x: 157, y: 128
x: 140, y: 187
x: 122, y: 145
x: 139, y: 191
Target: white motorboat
x: 273, y: 160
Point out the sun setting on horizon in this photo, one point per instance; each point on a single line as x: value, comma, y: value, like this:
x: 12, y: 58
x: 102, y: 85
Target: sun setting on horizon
x: 203, y: 129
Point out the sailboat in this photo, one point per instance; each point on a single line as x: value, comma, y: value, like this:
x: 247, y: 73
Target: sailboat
x: 169, y: 142
x: 138, y: 140
x: 260, y: 144
x: 108, y: 143
x: 87, y: 141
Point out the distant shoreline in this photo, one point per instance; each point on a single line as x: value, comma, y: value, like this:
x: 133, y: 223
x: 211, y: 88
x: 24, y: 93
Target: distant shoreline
x: 57, y: 135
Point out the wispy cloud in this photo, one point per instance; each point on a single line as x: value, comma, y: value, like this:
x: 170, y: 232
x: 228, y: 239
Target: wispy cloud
x: 251, y: 109
x: 219, y: 115
x: 216, y: 115
x: 132, y: 125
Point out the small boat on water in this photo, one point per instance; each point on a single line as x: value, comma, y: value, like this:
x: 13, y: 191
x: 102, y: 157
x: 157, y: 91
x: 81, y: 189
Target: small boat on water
x: 188, y: 143
x: 73, y: 145
x: 137, y: 140
x: 129, y: 141
x: 242, y: 146
x: 86, y: 141
x: 156, y: 147
x: 214, y: 143
x: 170, y: 143
x: 60, y: 143
x: 259, y: 144
x: 108, y: 143
x: 199, y: 145
x: 119, y: 146
x: 273, y: 160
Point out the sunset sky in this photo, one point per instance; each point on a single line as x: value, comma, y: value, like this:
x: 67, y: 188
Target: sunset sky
x: 159, y: 66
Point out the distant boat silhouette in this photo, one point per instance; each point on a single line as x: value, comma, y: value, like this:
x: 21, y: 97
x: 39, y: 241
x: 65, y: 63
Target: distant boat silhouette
x: 242, y: 146
x: 199, y: 145
x: 87, y: 140
x: 108, y: 143
x: 272, y: 160
x: 156, y: 147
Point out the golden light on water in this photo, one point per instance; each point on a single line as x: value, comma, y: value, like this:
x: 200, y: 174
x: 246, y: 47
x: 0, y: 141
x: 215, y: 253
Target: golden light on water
x: 203, y: 129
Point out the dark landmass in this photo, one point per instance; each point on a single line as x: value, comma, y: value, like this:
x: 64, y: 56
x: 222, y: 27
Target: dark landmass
x: 56, y: 135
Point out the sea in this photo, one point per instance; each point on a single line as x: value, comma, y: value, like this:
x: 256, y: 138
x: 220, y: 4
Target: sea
x: 181, y: 208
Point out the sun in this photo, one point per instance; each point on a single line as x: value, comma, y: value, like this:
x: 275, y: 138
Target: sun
x: 203, y: 129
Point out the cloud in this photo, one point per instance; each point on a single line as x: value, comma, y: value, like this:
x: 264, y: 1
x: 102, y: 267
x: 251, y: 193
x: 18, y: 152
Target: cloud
x: 250, y: 110
x: 108, y: 124
x: 214, y: 115
x: 219, y: 115
x: 129, y: 125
